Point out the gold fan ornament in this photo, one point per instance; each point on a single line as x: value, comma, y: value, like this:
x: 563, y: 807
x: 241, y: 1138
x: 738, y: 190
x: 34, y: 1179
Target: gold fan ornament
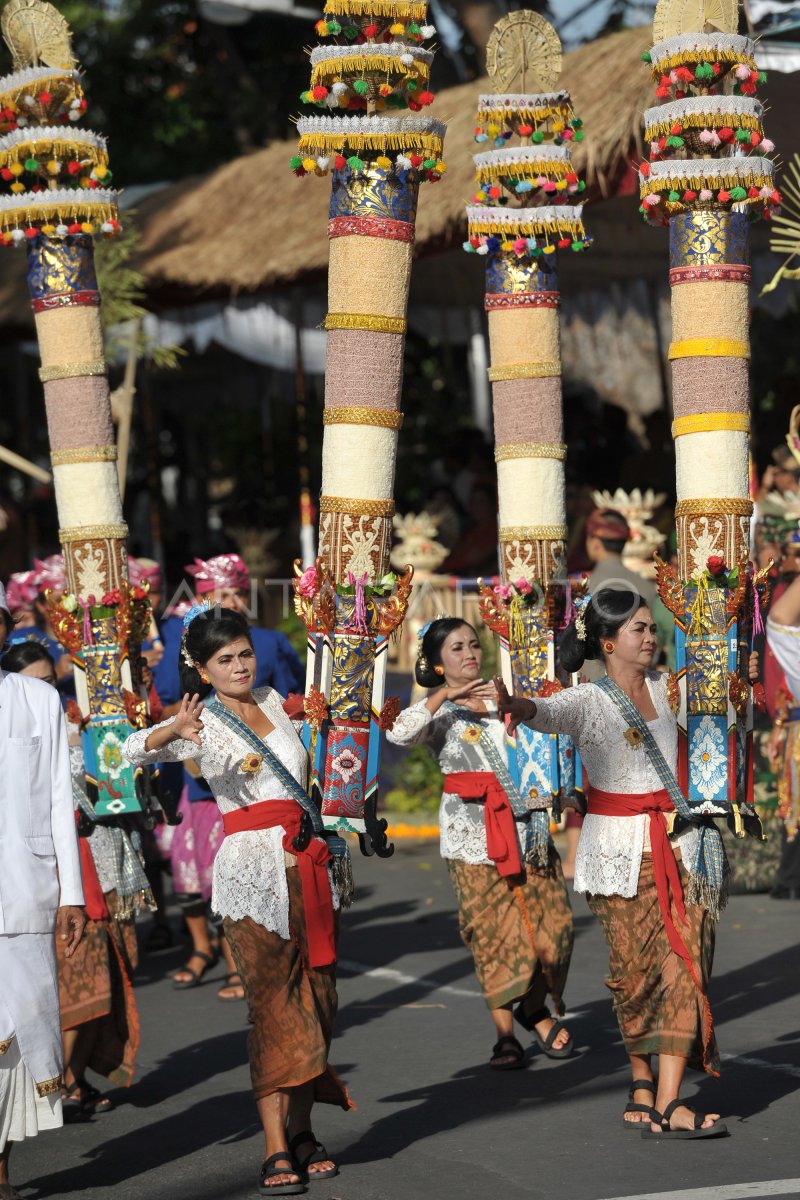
x: 675, y: 17
x: 523, y: 54
x: 37, y: 35
x: 785, y: 239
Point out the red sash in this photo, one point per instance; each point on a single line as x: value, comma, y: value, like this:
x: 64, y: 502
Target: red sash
x: 311, y: 863
x: 665, y: 868
x: 94, y: 900
x: 501, y: 833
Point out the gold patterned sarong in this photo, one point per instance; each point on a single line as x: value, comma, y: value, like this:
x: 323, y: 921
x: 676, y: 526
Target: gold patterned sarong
x: 519, y: 931
x: 291, y: 1006
x: 657, y: 1005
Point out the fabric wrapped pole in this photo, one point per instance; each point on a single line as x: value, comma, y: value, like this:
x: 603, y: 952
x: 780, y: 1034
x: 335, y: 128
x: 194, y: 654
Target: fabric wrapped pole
x: 706, y: 160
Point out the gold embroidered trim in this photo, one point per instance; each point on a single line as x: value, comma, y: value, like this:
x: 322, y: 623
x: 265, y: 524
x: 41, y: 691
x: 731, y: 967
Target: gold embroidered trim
x: 533, y: 533
x: 710, y: 423
x: 715, y: 506
x: 556, y: 450
x: 530, y: 370
x: 63, y: 458
x: 88, y: 533
x: 48, y: 1087
x: 711, y: 347
x: 351, y: 414
x: 359, y: 508
x: 365, y: 321
x: 97, y: 366
x: 6, y: 1045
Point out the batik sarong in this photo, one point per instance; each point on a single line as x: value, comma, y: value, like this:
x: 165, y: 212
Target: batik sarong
x: 291, y: 1007
x: 659, y: 1007
x: 95, y: 985
x: 519, y: 931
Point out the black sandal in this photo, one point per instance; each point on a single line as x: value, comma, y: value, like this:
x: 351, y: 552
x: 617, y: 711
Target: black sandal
x: 269, y: 1170
x: 639, y: 1085
x: 318, y: 1154
x: 234, y: 980
x: 82, y: 1100
x: 665, y: 1132
x: 505, y: 1048
x: 182, y: 985
x: 545, y: 1044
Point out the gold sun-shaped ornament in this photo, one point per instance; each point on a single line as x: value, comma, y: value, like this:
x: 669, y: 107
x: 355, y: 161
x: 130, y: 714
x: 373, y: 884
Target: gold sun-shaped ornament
x: 523, y: 54
x: 674, y: 17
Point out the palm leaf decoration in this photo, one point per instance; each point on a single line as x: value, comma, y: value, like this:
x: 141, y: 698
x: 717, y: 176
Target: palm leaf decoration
x: 785, y: 238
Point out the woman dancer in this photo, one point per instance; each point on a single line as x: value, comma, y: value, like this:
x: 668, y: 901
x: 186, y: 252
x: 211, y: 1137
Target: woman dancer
x: 273, y: 883
x: 99, y: 1018
x: 655, y: 898
x: 514, y: 912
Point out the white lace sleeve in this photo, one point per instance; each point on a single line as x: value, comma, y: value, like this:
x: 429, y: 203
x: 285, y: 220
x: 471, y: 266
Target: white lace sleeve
x: 177, y: 751
x: 562, y: 713
x: 413, y: 726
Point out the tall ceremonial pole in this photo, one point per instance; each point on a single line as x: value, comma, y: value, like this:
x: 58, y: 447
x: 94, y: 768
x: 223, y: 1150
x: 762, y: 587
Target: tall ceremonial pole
x: 524, y: 211
x: 372, y: 66
x: 56, y: 198
x: 708, y: 178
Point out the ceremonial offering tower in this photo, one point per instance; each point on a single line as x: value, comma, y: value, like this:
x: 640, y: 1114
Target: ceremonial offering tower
x: 708, y: 177
x: 371, y: 68
x: 525, y: 211
x: 56, y: 198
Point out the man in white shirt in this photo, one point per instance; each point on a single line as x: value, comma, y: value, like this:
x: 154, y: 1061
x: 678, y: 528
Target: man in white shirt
x: 40, y: 892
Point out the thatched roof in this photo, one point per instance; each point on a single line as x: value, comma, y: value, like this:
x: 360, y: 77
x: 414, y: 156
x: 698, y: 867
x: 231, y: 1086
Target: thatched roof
x: 251, y: 225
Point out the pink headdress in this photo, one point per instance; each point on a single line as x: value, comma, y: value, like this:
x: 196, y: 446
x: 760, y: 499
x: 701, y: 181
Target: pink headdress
x: 224, y: 571
x: 21, y: 591
x: 145, y: 570
x: 50, y: 574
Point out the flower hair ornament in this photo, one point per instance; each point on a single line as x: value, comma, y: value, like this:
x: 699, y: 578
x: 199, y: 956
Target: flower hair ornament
x: 195, y: 611
x: 580, y: 624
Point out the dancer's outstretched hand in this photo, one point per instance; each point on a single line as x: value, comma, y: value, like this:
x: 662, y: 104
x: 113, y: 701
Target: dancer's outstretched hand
x: 516, y: 708
x: 187, y: 724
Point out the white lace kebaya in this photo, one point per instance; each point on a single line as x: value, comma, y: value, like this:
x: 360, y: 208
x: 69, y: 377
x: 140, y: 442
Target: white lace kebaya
x: 610, y: 849
x: 462, y: 830
x: 250, y: 867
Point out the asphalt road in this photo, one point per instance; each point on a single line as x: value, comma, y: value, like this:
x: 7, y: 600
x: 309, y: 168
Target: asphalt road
x: 433, y: 1122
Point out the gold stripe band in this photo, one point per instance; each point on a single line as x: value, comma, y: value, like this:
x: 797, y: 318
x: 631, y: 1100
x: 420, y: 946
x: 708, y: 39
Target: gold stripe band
x: 87, y: 454
x: 351, y: 414
x: 709, y: 348
x: 97, y: 366
x: 361, y: 508
x: 365, y: 321
x: 90, y: 533
x: 530, y: 370
x: 710, y: 423
x: 556, y: 450
x: 49, y: 1087
x: 533, y: 533
x: 715, y: 506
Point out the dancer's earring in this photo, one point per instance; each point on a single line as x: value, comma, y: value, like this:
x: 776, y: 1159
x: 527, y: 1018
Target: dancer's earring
x: 608, y: 647
x: 439, y: 670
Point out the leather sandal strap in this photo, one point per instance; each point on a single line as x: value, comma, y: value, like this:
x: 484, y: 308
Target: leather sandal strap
x: 269, y: 1164
x: 642, y: 1085
x: 671, y: 1107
